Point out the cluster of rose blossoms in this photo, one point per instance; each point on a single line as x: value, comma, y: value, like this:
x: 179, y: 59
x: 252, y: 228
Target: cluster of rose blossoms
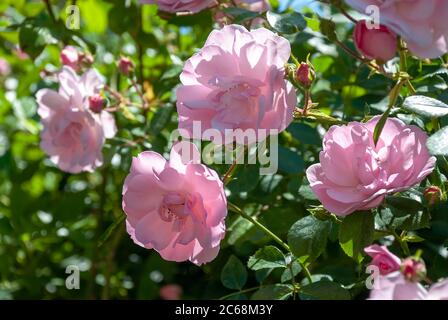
x: 400, y: 279
x: 237, y: 81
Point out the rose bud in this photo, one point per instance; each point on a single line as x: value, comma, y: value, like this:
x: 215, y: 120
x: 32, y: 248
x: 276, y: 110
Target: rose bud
x: 413, y: 269
x: 125, y: 65
x: 96, y: 103
x: 70, y: 57
x: 433, y: 195
x: 305, y: 75
x: 379, y: 44
x: 385, y: 260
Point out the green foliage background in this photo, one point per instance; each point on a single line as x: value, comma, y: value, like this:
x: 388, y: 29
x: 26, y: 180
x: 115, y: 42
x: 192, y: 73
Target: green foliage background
x: 50, y: 219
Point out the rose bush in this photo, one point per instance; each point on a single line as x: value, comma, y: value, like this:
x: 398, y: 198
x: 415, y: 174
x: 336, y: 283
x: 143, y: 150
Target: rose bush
x: 332, y: 183
x: 421, y: 23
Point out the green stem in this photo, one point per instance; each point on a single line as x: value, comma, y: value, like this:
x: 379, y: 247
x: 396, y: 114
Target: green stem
x: 295, y: 60
x: 403, y: 58
x: 50, y: 10
x: 403, y: 244
x: 239, y: 292
x: 274, y: 237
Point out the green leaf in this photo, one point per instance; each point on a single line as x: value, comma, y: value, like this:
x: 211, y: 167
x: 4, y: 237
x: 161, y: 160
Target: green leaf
x: 286, y: 23
x: 290, y: 272
x: 160, y: 119
x: 234, y: 274
x: 240, y: 15
x: 307, y: 238
x: 33, y: 39
x: 267, y: 258
x: 324, y: 290
x: 413, y: 238
x: 356, y: 233
x: 305, y: 134
x: 290, y: 161
x: 404, y: 204
x: 273, y: 292
x: 425, y: 106
x: 328, y: 29
x: 438, y: 142
x: 245, y: 179
x: 403, y: 220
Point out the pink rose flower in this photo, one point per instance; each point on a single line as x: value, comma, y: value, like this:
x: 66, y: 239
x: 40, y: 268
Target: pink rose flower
x: 73, y: 135
x: 423, y: 24
x: 379, y: 44
x: 176, y: 207
x: 354, y: 174
x: 385, y: 260
x: 394, y: 286
x: 236, y: 81
x: 5, y: 67
x: 70, y: 57
x: 173, y: 6
x: 171, y: 292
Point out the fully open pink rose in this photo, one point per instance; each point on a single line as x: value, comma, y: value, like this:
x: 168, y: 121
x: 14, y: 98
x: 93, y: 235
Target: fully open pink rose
x: 181, y: 5
x: 394, y: 286
x: 379, y: 44
x: 176, y: 207
x: 385, y: 260
x: 354, y: 174
x: 423, y: 24
x: 236, y: 81
x: 73, y: 135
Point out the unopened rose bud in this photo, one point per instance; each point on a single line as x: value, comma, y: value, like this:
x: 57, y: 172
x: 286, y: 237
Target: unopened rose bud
x: 70, y: 57
x: 379, y: 44
x: 96, y: 103
x: 125, y: 65
x: 305, y: 75
x: 433, y: 195
x: 413, y: 269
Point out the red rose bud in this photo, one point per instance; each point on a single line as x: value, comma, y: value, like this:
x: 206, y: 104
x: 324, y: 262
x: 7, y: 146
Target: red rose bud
x: 379, y: 44
x: 433, y: 195
x: 96, y: 103
x: 305, y: 75
x: 125, y: 65
x: 413, y: 269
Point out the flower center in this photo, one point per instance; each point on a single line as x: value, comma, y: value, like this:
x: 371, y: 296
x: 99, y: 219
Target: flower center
x: 174, y: 207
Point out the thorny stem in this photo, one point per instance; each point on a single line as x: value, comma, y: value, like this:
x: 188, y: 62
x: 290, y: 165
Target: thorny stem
x: 274, y: 237
x: 228, y: 174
